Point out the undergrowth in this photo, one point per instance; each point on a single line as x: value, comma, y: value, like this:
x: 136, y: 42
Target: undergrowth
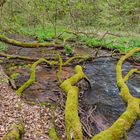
x: 48, y: 33
x: 2, y: 47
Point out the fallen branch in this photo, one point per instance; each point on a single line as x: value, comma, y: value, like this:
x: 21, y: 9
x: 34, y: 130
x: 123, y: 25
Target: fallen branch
x: 32, y: 74
x: 17, y: 57
x: 72, y: 120
x: 85, y: 57
x: 28, y: 45
x: 41, y: 60
x: 123, y: 124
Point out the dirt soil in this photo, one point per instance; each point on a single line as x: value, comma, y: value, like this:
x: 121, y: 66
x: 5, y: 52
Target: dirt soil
x: 43, y: 102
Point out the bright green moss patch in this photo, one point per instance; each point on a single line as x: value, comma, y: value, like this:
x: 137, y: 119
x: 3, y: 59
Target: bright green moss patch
x: 14, y: 76
x: 14, y: 133
x: 72, y: 120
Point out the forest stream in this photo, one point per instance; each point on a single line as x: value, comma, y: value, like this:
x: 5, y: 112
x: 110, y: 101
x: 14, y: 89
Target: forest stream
x: 103, y: 95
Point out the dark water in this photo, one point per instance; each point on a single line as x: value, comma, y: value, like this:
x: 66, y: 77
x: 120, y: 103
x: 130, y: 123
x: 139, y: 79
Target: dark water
x: 105, y: 94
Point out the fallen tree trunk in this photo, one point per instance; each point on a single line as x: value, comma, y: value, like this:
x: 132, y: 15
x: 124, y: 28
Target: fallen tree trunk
x: 28, y: 45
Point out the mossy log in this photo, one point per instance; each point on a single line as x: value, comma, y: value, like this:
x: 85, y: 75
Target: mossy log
x: 123, y: 124
x: 28, y: 45
x: 15, y: 133
x: 32, y: 74
x: 17, y: 57
x: 72, y: 120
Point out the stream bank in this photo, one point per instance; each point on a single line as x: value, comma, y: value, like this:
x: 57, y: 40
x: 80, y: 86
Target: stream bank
x: 99, y: 106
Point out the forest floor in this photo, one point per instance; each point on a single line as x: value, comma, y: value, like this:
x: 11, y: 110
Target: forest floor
x: 43, y: 103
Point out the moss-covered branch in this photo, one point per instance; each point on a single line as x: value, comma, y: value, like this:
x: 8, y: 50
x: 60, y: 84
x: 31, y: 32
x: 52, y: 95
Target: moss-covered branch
x: 32, y: 74
x: 17, y: 57
x: 84, y: 57
x: 53, y: 134
x: 129, y: 74
x: 124, y: 90
x: 27, y: 45
x: 72, y: 120
x: 118, y: 130
x: 15, y: 133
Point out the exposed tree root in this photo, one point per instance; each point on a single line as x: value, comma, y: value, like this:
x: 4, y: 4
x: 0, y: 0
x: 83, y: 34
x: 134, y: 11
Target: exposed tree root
x: 32, y: 74
x: 14, y: 133
x: 72, y: 120
x: 118, y: 130
x: 28, y: 45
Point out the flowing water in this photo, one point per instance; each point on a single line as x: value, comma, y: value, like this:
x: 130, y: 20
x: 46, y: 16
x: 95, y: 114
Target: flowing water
x: 105, y: 94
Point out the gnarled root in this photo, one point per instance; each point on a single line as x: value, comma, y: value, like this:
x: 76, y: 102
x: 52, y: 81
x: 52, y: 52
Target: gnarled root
x: 72, y: 120
x: 14, y: 133
x: 118, y: 130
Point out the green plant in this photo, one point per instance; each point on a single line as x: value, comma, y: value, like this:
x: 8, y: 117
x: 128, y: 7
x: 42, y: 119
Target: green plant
x: 2, y: 47
x: 14, y: 76
x: 68, y: 49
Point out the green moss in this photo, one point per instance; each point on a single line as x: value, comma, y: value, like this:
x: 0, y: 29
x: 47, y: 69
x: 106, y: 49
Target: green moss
x: 53, y: 134
x: 12, y: 67
x: 119, y: 128
x: 32, y: 74
x: 25, y: 44
x: 14, y: 133
x: 14, y: 76
x: 27, y: 66
x: 72, y: 119
x: 1, y: 61
x: 85, y: 57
